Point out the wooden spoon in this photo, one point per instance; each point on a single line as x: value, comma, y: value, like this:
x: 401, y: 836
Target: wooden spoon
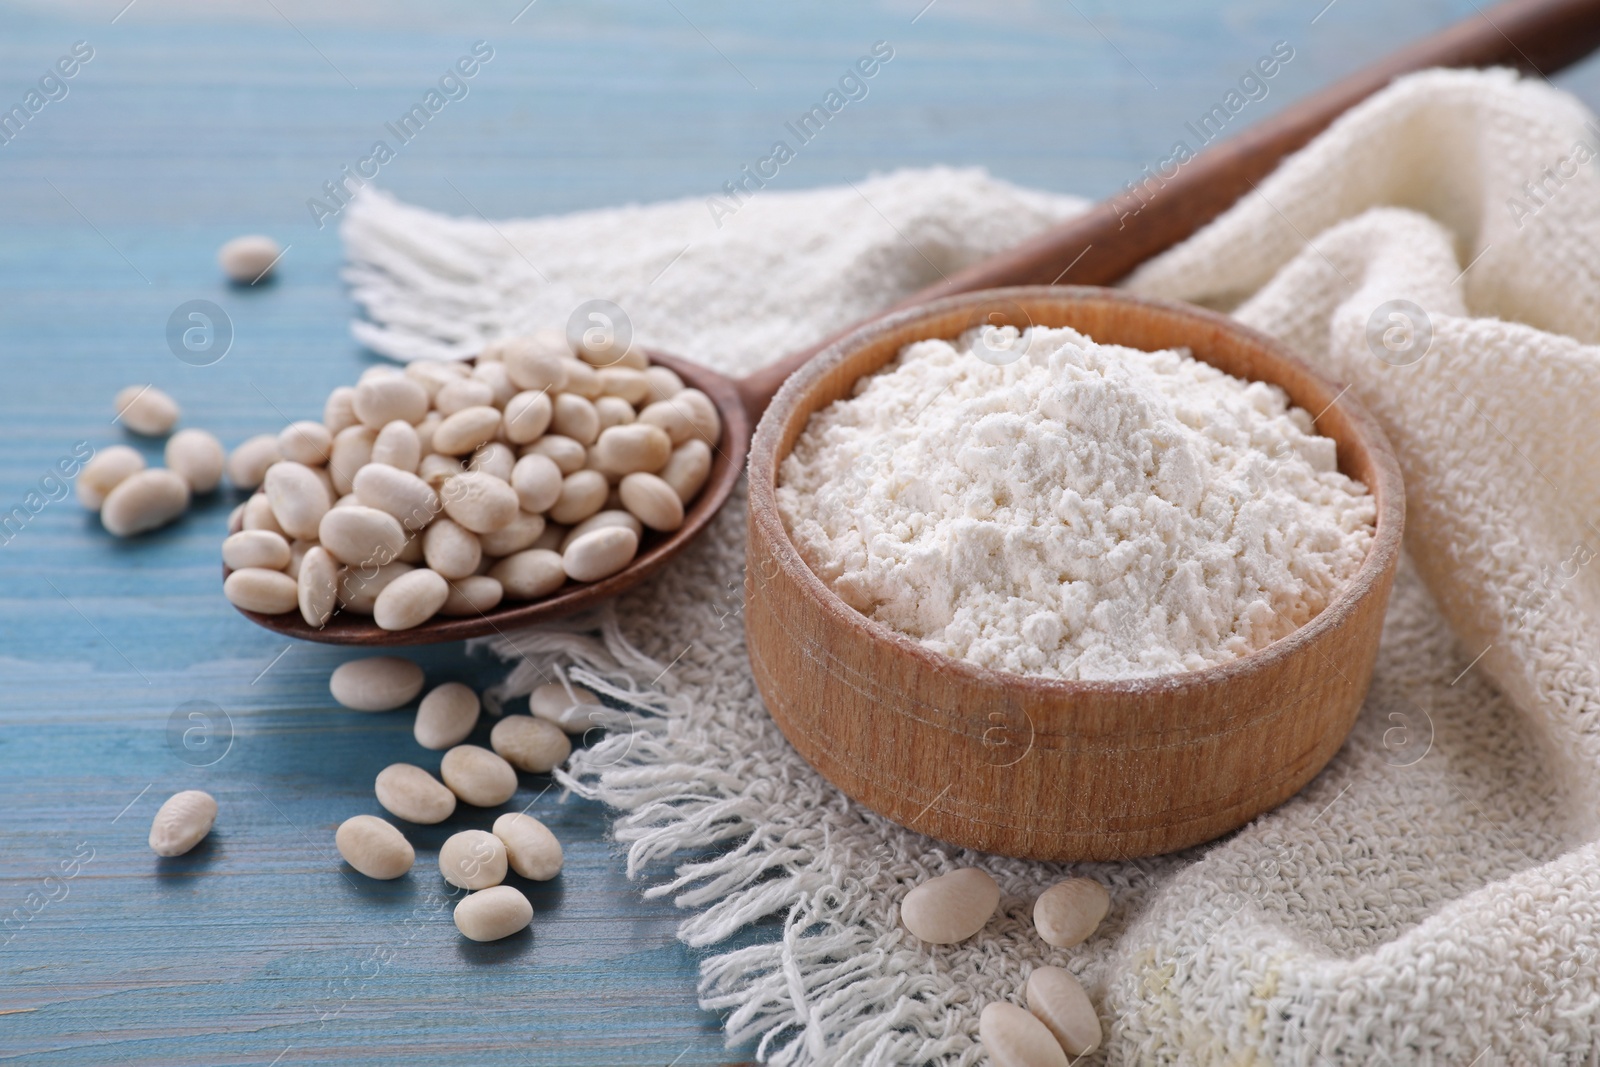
x: 1097, y: 248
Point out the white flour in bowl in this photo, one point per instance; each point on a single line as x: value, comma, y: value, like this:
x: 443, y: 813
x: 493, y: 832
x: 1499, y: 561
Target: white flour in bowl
x: 1084, y: 511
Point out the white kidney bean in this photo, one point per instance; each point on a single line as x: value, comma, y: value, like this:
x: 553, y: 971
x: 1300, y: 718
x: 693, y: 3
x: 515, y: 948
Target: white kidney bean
x: 478, y: 776
x: 317, y: 586
x: 652, y: 501
x: 951, y: 907
x: 473, y: 859
x: 260, y: 590
x: 1057, y: 999
x: 492, y: 371
x: 669, y: 417
x: 685, y: 415
x: 403, y: 495
x: 255, y: 548
x: 688, y: 469
x: 305, y: 442
x: 359, y: 587
x: 460, y: 433
x: 446, y: 716
x: 462, y: 393
x: 493, y: 913
x: 436, y: 469
x: 531, y: 848
x: 382, y: 399
x: 599, y: 521
x: 574, y: 713
x: 625, y: 382
x: 663, y: 383
x: 197, y: 457
x: 634, y: 447
x: 377, y: 683
x: 397, y: 445
x: 702, y: 412
x: 297, y: 553
x: 493, y: 458
x: 410, y: 600
x: 411, y: 793
x: 249, y: 259
x: 522, y: 532
x: 614, y: 411
x: 298, y: 498
x: 534, y: 367
x: 431, y: 374
x: 1014, y: 1038
x: 425, y: 430
x: 144, y: 500
x: 327, y: 483
x: 575, y: 417
x: 480, y: 502
x: 248, y: 463
x: 600, y: 553
x: 146, y: 410
x: 258, y: 515
x: 1068, y: 912
x: 582, y: 380
x: 107, y: 468
x: 451, y: 549
x: 529, y: 574
x: 566, y: 453
x: 351, y: 450
x: 374, y: 846
x: 472, y: 596
x: 235, y: 519
x: 537, y: 482
x: 338, y: 411
x: 530, y: 744
x: 498, y: 379
x: 376, y: 371
x: 527, y: 417
x: 582, y: 494
x: 357, y: 534
x: 599, y: 347
x: 605, y: 353
x: 182, y: 822
x: 551, y: 340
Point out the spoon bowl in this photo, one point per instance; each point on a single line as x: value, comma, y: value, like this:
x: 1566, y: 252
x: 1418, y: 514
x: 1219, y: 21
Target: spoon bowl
x: 727, y: 463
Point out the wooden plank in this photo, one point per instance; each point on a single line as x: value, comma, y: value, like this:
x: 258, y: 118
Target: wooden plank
x: 195, y: 123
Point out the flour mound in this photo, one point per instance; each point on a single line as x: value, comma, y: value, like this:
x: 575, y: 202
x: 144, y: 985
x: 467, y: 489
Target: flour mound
x: 1084, y: 511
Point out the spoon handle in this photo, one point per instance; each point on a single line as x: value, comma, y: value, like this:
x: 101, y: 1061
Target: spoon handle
x: 1108, y: 241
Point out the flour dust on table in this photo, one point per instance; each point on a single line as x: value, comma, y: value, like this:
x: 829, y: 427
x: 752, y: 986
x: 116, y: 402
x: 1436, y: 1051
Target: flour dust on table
x: 1433, y: 897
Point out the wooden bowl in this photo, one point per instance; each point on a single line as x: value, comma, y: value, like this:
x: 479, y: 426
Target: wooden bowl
x: 1041, y: 768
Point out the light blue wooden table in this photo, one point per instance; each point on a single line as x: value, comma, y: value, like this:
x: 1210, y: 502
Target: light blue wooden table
x: 198, y: 121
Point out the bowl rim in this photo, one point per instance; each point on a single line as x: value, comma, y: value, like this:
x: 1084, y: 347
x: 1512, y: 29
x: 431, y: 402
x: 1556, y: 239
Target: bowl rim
x: 1387, y: 490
